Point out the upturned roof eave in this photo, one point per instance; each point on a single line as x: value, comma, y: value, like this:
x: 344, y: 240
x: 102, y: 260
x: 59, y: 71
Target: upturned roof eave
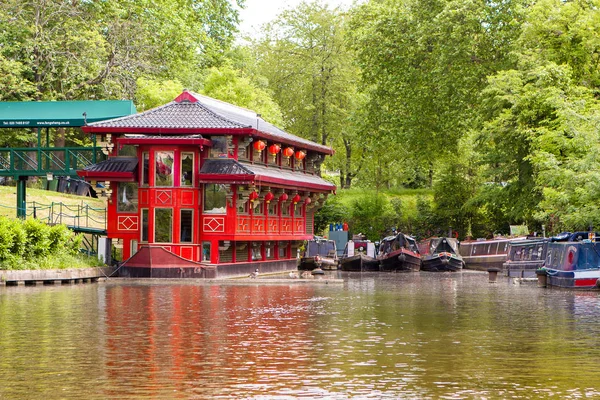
x: 107, y: 176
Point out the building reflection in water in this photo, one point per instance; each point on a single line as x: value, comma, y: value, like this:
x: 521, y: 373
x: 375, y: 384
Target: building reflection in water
x: 200, y: 338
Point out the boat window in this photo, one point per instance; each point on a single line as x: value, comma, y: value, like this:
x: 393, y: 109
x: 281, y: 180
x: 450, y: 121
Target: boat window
x: 273, y: 208
x: 187, y: 169
x: 270, y: 250
x: 205, y: 251
x: 163, y: 221
x: 146, y: 168
x: 127, y: 197
x: 219, y: 147
x: 243, y: 150
x: 215, y: 198
x: 283, y: 247
x: 242, y: 204
x: 587, y: 257
x: 186, y: 225
x: 256, y: 248
x: 163, y: 175
x: 144, y: 237
x: 258, y: 208
x: 127, y: 150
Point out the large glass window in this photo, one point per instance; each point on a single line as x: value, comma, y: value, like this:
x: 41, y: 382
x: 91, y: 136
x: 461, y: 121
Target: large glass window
x: 163, y: 222
x: 127, y: 198
x: 164, y: 168
x: 127, y: 150
x: 186, y: 225
x: 145, y: 168
x: 215, y: 198
x: 205, y: 251
x: 219, y: 147
x: 145, y: 225
x: 187, y: 169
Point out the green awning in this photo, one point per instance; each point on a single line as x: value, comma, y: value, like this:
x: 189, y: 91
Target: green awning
x: 26, y: 114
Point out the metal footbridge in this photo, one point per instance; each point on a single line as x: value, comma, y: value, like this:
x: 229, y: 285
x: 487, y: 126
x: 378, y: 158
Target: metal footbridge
x: 42, y: 159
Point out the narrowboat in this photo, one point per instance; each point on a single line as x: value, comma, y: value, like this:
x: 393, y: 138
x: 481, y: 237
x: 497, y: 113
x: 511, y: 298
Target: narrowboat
x: 442, y: 255
x: 319, y: 253
x: 359, y: 256
x: 572, y: 265
x: 482, y: 254
x: 525, y: 257
x: 399, y: 253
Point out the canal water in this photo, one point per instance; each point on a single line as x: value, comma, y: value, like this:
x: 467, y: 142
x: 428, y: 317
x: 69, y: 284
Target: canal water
x: 377, y: 335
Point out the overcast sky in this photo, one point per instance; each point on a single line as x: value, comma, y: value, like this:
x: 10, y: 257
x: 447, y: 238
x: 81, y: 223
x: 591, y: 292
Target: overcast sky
x: 257, y: 12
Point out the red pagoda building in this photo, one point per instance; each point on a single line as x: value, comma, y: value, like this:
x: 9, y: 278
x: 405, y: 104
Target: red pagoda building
x: 201, y: 188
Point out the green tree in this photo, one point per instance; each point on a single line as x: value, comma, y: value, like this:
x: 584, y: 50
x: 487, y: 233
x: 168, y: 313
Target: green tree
x: 98, y: 49
x: 228, y: 84
x: 152, y: 93
x: 310, y: 71
x: 424, y: 63
x: 540, y: 136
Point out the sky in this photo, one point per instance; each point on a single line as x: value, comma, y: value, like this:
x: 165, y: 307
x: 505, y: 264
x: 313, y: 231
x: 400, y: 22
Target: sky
x: 258, y: 12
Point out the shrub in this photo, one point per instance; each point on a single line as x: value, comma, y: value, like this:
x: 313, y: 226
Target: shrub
x: 59, y: 237
x: 38, y: 238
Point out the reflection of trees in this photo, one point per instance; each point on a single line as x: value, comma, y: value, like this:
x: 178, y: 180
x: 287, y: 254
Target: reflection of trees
x: 50, y: 338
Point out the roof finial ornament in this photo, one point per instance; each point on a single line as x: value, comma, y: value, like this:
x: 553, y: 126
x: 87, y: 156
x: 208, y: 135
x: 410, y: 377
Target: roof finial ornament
x: 84, y: 117
x: 257, y: 120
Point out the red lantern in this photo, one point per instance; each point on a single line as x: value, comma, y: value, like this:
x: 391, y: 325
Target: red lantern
x: 300, y: 155
x: 296, y: 198
x: 283, y: 197
x: 268, y: 197
x: 274, y: 149
x: 288, y: 152
x: 253, y: 196
x: 259, y: 145
x: 307, y: 201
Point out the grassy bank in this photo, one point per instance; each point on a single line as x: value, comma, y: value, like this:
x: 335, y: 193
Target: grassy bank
x: 33, y: 244
x: 48, y: 202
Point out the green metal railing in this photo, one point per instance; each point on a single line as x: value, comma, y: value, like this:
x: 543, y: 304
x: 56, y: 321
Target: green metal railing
x: 31, y: 161
x: 80, y: 218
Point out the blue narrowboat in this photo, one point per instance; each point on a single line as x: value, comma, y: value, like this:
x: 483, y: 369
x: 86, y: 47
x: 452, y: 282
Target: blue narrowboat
x: 572, y: 265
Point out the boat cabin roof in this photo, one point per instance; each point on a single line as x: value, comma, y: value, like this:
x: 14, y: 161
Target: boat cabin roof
x: 569, y: 256
x: 443, y: 244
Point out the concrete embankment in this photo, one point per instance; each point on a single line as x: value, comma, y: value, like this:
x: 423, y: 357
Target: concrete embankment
x: 53, y: 276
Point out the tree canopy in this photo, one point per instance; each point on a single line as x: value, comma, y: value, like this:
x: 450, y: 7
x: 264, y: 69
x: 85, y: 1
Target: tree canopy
x: 491, y: 106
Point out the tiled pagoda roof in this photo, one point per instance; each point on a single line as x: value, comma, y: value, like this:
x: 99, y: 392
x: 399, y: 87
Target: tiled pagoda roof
x: 121, y: 169
x: 228, y: 170
x: 192, y: 113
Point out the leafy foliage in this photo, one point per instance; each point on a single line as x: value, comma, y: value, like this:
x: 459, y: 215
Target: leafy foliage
x: 31, y: 243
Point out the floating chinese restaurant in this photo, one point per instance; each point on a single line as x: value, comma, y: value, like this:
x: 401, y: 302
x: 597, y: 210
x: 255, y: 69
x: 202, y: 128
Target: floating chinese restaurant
x: 201, y: 188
